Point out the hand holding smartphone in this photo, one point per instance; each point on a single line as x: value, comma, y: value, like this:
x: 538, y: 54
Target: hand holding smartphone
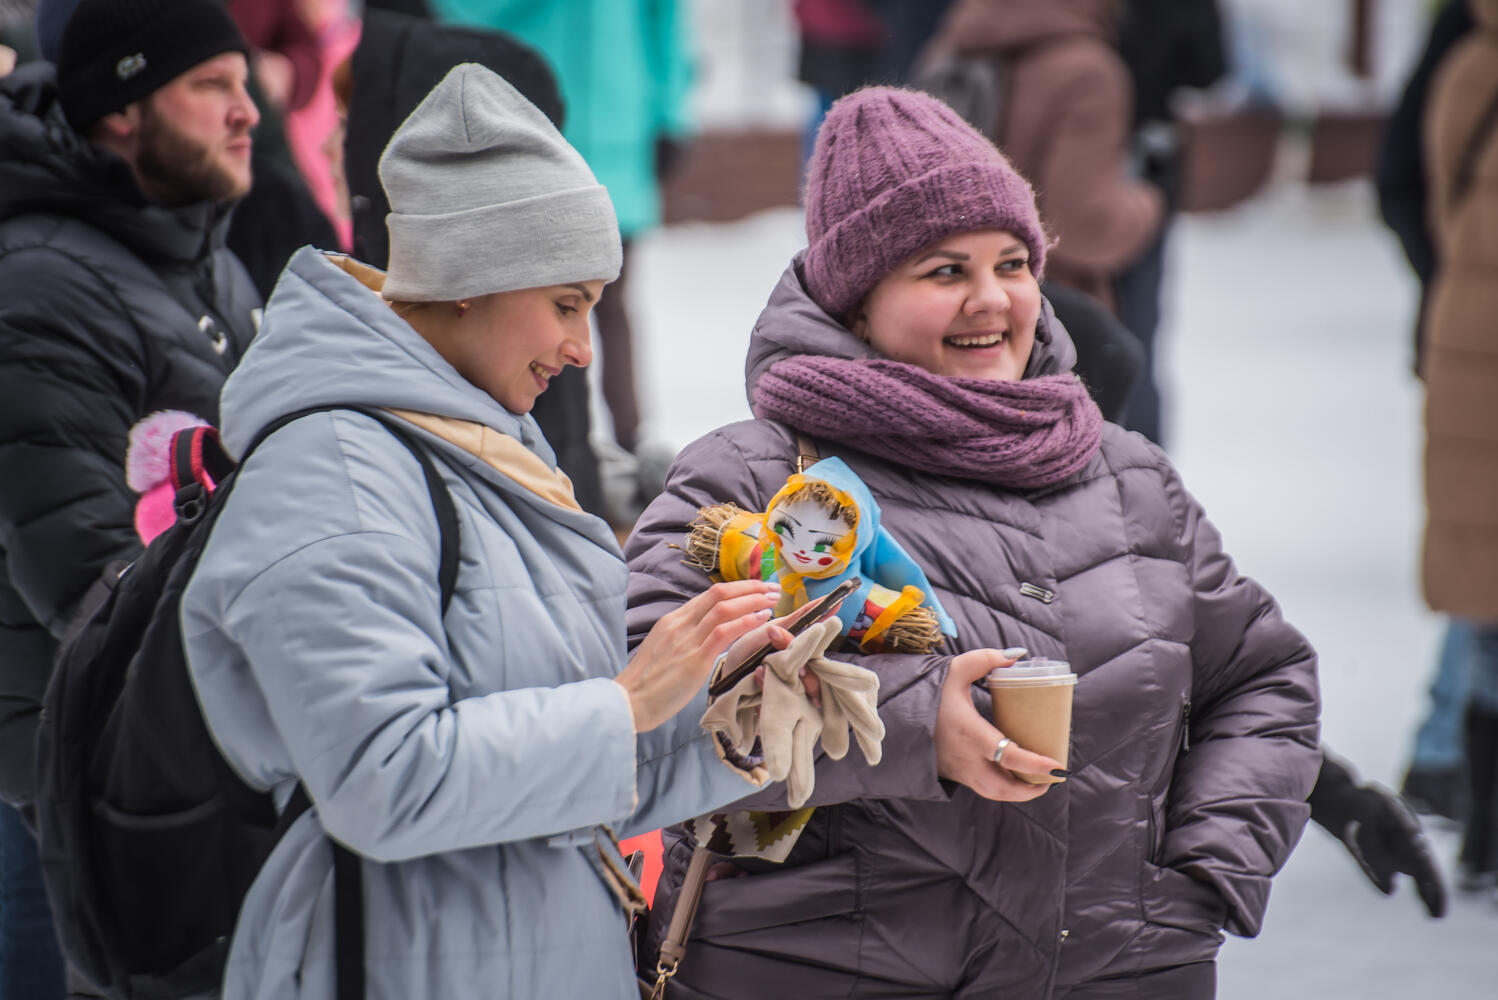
x: 806, y: 615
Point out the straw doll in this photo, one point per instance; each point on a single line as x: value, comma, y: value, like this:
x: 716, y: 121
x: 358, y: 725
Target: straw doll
x: 820, y: 529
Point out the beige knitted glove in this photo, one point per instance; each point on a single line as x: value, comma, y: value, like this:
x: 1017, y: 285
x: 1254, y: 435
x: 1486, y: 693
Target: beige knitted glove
x: 788, y: 724
x: 733, y: 720
x: 850, y: 700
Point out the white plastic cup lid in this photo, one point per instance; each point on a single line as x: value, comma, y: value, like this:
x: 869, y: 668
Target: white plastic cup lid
x: 1025, y: 669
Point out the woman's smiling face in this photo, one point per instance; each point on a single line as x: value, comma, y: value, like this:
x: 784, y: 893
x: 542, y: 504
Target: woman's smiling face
x: 511, y: 344
x: 966, y: 305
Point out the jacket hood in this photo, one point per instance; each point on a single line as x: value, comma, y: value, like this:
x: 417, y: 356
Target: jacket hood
x: 398, y: 62
x: 328, y: 339
x: 793, y: 324
x: 49, y: 168
x: 1008, y: 25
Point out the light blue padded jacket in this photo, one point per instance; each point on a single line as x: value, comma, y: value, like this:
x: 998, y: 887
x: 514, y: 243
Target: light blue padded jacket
x: 468, y: 758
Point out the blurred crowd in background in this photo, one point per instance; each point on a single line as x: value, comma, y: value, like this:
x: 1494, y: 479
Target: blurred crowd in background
x: 1133, y: 111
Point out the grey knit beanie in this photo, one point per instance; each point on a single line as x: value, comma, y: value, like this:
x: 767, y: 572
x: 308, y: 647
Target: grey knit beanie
x: 486, y: 196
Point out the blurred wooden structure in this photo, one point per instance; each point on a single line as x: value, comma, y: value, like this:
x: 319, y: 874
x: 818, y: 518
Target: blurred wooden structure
x: 726, y: 175
x: 1344, y: 144
x: 1226, y: 157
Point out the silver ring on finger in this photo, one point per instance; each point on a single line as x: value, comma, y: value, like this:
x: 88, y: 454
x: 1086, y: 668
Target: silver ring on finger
x: 998, y: 754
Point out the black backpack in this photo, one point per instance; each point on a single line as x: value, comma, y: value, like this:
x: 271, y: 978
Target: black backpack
x: 149, y: 840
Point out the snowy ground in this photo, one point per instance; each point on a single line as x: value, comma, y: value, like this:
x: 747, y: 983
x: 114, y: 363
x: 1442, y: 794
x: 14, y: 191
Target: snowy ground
x: 1296, y: 423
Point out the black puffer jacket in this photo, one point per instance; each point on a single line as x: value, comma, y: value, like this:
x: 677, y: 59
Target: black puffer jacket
x: 110, y: 308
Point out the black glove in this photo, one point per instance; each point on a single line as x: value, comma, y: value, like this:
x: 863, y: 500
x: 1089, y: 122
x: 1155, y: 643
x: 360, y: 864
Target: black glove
x: 1380, y: 832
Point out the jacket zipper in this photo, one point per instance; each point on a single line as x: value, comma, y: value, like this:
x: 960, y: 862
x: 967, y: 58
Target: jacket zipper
x: 1056, y: 959
x: 834, y: 831
x: 1184, y: 743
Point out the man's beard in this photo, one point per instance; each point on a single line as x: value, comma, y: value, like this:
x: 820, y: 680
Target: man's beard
x: 179, y: 169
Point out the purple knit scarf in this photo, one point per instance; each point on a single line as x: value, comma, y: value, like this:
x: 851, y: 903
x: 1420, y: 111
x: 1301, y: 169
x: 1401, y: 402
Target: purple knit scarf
x: 1021, y: 435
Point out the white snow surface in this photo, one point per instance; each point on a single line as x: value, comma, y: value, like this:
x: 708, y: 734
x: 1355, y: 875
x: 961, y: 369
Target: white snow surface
x: 1295, y: 419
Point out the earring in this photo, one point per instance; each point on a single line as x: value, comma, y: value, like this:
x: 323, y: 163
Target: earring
x: 462, y: 308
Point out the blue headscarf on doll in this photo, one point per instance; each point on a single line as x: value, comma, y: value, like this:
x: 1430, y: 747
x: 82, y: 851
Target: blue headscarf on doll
x: 874, y: 555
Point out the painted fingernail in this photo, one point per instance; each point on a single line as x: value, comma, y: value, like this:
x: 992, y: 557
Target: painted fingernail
x: 1060, y: 772
x: 1014, y: 652
x: 763, y: 613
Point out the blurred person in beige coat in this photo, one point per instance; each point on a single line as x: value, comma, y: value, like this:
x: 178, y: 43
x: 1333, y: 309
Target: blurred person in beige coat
x: 1460, y: 559
x: 1065, y: 116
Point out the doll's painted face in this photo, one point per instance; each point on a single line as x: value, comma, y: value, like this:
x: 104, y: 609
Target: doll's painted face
x: 808, y: 533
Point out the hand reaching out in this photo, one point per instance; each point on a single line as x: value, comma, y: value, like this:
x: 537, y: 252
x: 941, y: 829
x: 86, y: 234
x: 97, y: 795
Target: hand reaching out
x: 1385, y: 838
x: 672, y: 664
x: 777, y: 634
x: 1378, y: 829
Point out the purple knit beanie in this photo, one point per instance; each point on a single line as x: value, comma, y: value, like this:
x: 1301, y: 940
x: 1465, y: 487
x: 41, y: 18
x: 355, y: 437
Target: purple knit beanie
x: 894, y: 171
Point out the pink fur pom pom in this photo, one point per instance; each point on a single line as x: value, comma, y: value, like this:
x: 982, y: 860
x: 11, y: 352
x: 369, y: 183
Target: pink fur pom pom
x: 155, y: 512
x: 148, y: 460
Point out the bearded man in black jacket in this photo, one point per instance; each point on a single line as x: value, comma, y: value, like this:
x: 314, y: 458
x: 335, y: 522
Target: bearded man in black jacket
x: 118, y: 171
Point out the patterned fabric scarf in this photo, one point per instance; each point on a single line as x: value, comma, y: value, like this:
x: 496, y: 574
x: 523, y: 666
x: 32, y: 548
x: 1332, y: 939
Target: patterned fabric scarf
x: 1020, y: 435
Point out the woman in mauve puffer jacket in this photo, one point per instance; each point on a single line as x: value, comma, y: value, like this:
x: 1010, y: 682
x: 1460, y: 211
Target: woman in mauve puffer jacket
x: 910, y: 339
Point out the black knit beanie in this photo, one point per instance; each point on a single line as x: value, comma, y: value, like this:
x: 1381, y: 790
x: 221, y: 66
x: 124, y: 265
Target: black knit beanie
x: 118, y: 51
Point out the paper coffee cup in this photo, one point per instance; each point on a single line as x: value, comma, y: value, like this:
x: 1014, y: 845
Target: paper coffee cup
x: 1032, y: 706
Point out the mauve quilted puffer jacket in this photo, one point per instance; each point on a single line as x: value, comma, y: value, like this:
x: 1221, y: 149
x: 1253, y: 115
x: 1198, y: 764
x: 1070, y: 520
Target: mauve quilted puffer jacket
x: 1194, y: 734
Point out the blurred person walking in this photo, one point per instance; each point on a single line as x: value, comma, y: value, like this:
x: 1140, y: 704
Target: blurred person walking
x: 624, y: 71
x: 847, y: 44
x: 279, y: 215
x: 1167, y: 45
x: 911, y: 340
x: 118, y: 170
x: 1460, y: 556
x: 1436, y: 779
x: 467, y: 756
x: 1064, y: 119
x: 287, y: 53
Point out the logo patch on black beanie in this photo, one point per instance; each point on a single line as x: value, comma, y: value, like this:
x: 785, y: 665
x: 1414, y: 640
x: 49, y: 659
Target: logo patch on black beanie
x: 130, y: 66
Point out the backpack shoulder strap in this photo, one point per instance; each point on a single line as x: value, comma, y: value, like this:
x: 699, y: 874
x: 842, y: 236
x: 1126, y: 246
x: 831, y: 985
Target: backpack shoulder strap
x: 348, y: 882
x: 348, y: 904
x: 198, y: 457
x: 442, y: 503
x: 442, y: 500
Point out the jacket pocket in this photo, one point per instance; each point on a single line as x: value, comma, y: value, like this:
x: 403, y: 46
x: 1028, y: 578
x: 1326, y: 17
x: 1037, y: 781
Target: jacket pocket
x: 815, y: 891
x: 157, y: 865
x: 1175, y: 899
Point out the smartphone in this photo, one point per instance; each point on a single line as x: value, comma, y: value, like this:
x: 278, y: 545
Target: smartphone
x: 809, y: 613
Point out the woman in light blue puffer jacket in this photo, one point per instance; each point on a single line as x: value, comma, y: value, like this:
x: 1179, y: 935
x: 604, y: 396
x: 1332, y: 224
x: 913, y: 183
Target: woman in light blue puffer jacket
x: 473, y: 759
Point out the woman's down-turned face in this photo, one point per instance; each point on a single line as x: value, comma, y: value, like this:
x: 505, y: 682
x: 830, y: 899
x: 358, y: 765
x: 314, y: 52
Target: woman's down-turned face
x: 512, y: 344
